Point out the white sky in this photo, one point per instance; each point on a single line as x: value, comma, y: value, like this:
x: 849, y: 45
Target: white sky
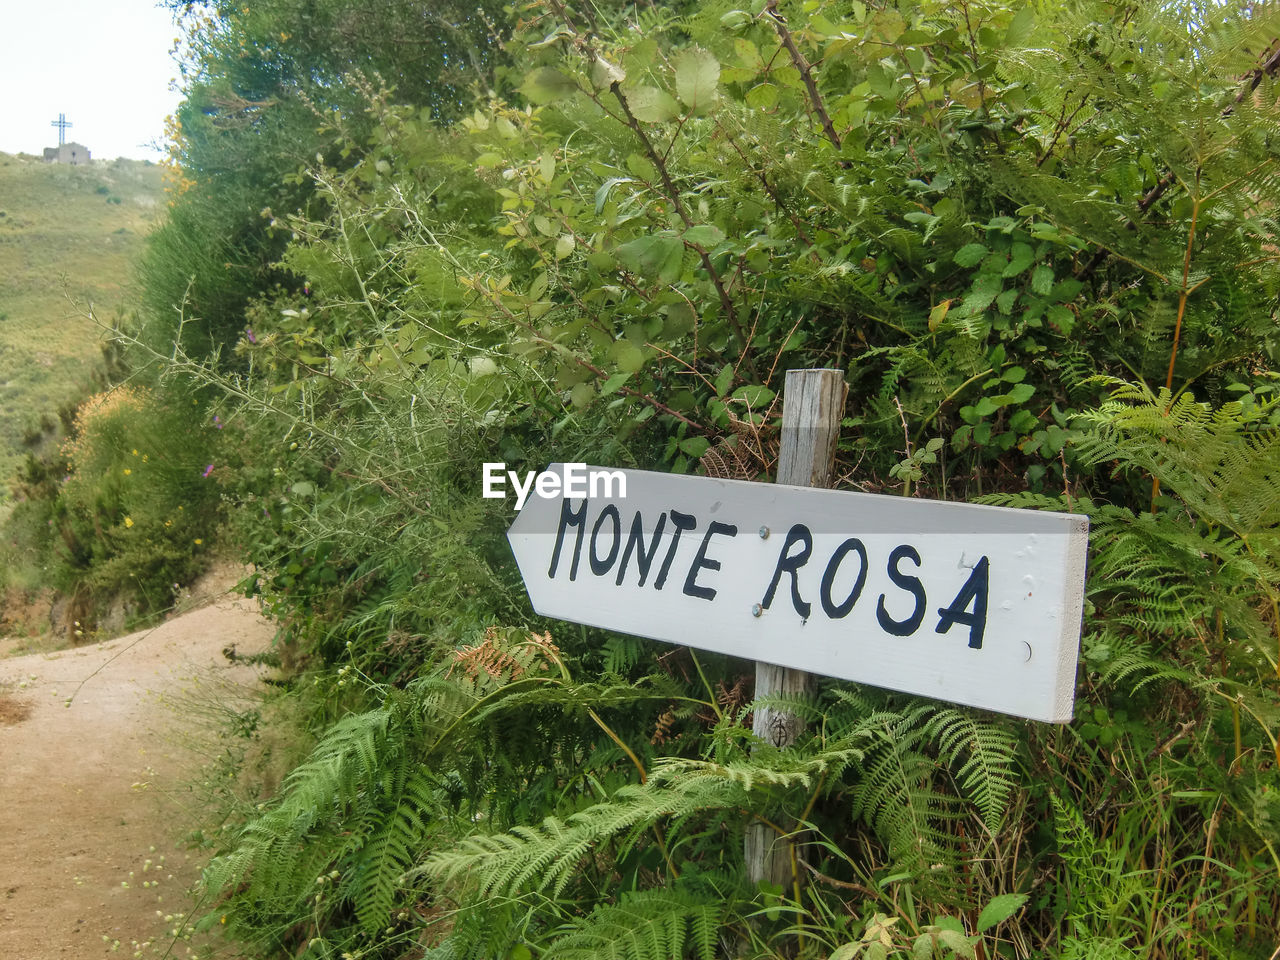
x: 104, y: 63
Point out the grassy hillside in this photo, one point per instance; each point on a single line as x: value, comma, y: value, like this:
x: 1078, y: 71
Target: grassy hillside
x: 67, y: 239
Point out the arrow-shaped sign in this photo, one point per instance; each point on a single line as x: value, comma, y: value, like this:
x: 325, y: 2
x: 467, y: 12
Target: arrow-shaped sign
x: 973, y: 604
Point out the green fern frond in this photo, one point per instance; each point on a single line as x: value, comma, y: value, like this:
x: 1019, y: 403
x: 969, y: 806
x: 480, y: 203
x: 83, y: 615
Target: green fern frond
x: 1100, y: 879
x: 767, y: 768
x: 985, y: 753
x: 1138, y: 668
x: 644, y: 925
x: 900, y: 780
x: 544, y: 856
x: 1218, y: 461
x: 896, y: 795
x: 385, y: 856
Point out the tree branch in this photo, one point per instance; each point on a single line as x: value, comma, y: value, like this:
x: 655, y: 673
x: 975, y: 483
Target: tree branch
x: 799, y: 61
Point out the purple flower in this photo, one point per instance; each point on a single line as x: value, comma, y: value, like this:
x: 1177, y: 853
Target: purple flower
x: 248, y: 333
x: 207, y: 470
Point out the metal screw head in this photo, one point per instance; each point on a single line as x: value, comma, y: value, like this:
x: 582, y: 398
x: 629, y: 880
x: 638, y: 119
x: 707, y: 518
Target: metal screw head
x: 756, y: 610
x: 764, y: 533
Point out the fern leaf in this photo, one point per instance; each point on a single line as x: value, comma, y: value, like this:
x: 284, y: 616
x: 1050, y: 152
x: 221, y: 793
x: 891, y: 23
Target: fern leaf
x: 645, y: 925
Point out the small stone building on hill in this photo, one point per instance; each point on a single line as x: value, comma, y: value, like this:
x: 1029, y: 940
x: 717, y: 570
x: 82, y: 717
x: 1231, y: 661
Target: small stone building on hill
x: 76, y: 154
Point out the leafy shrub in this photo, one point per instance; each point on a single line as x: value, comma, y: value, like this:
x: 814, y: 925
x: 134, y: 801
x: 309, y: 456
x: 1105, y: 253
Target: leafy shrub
x: 139, y: 497
x: 984, y: 214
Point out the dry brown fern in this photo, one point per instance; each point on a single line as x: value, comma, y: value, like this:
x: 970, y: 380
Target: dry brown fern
x: 500, y: 658
x: 747, y: 452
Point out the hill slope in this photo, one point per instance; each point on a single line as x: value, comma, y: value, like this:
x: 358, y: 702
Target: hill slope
x: 67, y: 239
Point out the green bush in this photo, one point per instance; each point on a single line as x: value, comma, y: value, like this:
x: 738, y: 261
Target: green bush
x: 992, y: 218
x: 139, y: 500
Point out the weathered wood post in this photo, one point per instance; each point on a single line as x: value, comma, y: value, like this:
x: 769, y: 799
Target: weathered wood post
x: 812, y: 408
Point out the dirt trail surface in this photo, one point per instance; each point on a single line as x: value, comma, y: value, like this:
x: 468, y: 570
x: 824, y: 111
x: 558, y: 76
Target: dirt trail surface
x: 90, y: 813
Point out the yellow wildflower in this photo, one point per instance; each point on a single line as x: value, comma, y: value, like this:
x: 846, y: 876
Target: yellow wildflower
x: 128, y: 521
x: 127, y: 471
x: 198, y: 541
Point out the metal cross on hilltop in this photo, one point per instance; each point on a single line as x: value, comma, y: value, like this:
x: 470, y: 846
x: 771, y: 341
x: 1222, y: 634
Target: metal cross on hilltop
x: 61, y: 123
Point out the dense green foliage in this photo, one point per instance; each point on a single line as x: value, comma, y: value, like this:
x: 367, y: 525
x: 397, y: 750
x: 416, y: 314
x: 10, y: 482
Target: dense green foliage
x: 264, y: 84
x: 1037, y: 239
x: 120, y: 513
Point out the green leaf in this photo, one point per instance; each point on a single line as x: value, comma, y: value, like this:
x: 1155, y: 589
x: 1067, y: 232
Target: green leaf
x: 724, y: 379
x: 1014, y: 374
x: 1000, y: 909
x: 547, y: 85
x: 603, y: 191
x: 1020, y: 258
x: 763, y: 96
x: 304, y: 488
x: 1020, y: 26
x: 680, y: 320
x: 565, y: 245
x: 695, y: 446
x: 938, y: 314
x: 582, y: 395
x: 1042, y: 279
x: 845, y: 951
x: 627, y: 356
x: 958, y: 942
x: 654, y: 257
x: 756, y: 396
x: 640, y: 167
x: 1068, y: 289
x: 971, y: 254
x: 613, y: 383
x: 1062, y: 318
x: 697, y: 75
x: 1023, y: 421
x: 986, y: 288
x: 704, y: 235
x: 651, y: 105
x: 605, y: 74
x: 1021, y: 393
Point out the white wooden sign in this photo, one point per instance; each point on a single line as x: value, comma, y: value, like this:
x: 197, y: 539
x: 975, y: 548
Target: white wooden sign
x: 972, y: 604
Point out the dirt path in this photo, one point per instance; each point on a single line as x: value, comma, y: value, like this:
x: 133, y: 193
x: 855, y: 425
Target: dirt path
x: 89, y: 813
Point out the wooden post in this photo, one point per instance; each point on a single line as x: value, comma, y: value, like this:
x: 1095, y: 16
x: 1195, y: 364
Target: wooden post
x: 812, y: 407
